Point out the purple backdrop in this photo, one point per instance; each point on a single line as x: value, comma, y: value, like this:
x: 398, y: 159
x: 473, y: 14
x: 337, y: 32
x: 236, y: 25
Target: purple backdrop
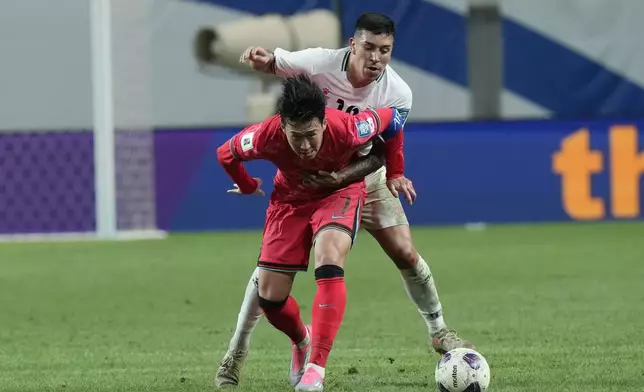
x: 46, y: 182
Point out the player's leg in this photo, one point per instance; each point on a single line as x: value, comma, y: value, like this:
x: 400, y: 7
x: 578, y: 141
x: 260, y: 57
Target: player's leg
x: 283, y: 312
x: 290, y: 255
x: 285, y: 251
x: 385, y: 219
x: 248, y: 317
x: 419, y: 284
x: 336, y: 224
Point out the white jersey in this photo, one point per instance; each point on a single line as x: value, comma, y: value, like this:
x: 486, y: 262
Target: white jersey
x: 328, y: 68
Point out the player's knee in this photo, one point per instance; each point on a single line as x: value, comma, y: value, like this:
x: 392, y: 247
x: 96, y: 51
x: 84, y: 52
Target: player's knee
x: 267, y: 305
x: 403, y: 253
x: 397, y: 242
x: 329, y: 258
x: 331, y: 248
x: 329, y: 271
x: 273, y: 285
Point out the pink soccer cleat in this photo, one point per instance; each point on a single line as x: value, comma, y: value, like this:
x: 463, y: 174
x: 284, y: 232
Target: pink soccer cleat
x: 301, y: 354
x: 312, y: 380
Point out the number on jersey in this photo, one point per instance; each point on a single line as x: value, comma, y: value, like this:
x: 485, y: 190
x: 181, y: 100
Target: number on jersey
x: 350, y: 109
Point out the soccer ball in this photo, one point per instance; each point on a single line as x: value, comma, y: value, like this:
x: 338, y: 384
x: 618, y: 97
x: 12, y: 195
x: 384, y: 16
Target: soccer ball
x: 462, y: 370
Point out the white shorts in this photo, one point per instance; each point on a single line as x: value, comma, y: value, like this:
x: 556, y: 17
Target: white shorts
x: 381, y: 208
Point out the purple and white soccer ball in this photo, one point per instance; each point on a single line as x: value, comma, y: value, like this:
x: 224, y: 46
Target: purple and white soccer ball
x: 462, y: 370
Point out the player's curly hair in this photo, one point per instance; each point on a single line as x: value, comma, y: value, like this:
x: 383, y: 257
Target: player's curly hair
x: 375, y: 23
x: 302, y: 101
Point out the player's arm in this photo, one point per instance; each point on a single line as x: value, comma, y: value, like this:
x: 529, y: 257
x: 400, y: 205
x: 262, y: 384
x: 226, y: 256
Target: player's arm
x: 285, y: 63
x: 244, y: 146
x: 387, y: 123
x: 357, y: 170
x: 364, y: 165
x: 396, y: 182
x: 403, y: 104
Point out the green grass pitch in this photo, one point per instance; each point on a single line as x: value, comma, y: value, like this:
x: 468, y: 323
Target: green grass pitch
x: 552, y: 307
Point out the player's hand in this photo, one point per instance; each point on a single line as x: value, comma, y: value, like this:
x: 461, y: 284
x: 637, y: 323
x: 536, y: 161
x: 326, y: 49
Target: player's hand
x: 258, y: 58
x: 322, y: 179
x: 258, y: 191
x: 402, y: 185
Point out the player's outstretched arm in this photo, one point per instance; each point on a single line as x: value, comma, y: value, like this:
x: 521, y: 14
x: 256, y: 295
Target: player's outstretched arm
x: 231, y: 154
x: 286, y: 63
x: 258, y: 191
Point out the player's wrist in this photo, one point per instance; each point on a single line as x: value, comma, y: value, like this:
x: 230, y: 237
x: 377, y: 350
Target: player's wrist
x: 256, y: 185
x: 342, y: 177
x: 270, y: 64
x: 248, y: 186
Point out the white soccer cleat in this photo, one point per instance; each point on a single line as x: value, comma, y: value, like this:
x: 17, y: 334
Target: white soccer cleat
x: 230, y: 369
x: 447, y: 340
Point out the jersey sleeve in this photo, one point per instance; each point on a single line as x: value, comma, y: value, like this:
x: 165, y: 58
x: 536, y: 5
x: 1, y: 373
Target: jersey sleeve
x: 370, y: 123
x: 402, y: 103
x: 394, y: 156
x: 386, y: 123
x: 403, y: 98
x: 246, y: 145
x: 394, y: 151
x: 403, y: 112
x: 307, y: 61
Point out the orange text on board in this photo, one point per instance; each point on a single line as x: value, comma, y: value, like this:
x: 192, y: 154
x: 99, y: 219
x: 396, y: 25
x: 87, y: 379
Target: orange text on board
x: 575, y: 162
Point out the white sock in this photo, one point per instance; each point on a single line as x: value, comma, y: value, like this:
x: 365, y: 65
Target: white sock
x: 306, y: 341
x: 249, y: 315
x: 320, y: 369
x: 419, y: 284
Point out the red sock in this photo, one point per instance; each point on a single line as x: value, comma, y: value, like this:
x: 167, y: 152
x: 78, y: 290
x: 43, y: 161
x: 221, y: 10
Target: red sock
x: 287, y: 319
x: 328, y: 311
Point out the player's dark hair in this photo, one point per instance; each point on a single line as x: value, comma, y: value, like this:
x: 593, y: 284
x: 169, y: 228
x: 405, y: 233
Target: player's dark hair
x: 302, y: 101
x: 376, y: 23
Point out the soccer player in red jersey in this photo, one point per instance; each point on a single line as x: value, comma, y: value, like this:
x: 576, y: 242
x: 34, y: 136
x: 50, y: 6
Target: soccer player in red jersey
x: 354, y: 78
x: 308, y: 137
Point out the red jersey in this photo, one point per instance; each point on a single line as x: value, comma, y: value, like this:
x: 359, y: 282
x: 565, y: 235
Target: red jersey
x: 344, y: 135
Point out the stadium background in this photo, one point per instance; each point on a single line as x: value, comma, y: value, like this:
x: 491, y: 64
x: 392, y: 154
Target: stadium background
x: 566, y: 67
x: 553, y: 303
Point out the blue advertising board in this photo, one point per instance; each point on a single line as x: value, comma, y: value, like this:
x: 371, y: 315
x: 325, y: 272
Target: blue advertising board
x: 512, y: 171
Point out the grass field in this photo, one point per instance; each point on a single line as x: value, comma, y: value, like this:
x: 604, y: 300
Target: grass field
x: 552, y: 307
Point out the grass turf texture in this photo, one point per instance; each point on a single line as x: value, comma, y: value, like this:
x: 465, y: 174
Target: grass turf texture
x: 552, y: 307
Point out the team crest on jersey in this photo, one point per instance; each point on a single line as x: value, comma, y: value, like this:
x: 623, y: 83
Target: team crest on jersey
x: 325, y: 91
x: 247, y: 141
x: 365, y: 128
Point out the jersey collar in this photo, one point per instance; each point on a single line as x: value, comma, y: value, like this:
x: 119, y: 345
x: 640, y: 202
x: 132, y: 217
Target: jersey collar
x: 345, y: 61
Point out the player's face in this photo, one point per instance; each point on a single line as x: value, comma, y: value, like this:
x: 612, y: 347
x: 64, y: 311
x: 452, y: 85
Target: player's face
x: 372, y: 53
x: 306, y: 138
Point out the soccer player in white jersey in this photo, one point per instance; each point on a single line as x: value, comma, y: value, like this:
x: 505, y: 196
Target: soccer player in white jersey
x: 352, y: 79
